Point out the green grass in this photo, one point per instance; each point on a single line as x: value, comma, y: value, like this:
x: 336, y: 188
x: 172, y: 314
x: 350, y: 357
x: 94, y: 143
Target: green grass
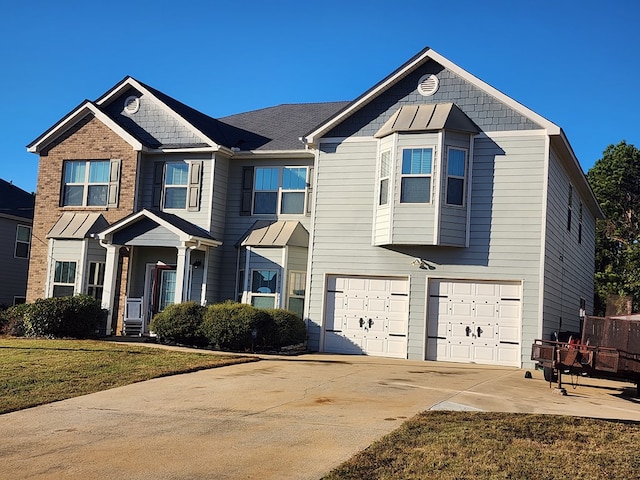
x: 463, y: 445
x: 34, y: 372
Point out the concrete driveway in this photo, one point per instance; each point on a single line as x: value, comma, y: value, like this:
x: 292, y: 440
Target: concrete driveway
x: 284, y: 418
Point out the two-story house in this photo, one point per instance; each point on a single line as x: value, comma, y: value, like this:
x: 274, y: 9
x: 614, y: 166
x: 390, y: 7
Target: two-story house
x: 433, y: 217
x: 16, y: 218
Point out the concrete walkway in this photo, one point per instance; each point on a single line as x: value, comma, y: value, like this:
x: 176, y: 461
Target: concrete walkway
x: 284, y: 418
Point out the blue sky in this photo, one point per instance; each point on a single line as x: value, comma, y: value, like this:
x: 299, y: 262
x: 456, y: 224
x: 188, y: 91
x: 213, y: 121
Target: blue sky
x: 574, y: 62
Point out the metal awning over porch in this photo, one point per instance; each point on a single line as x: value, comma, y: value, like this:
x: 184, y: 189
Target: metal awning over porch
x: 281, y: 233
x: 77, y: 225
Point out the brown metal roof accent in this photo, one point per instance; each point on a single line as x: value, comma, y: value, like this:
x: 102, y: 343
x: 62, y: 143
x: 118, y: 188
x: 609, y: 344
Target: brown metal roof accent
x: 281, y: 233
x: 426, y: 117
x: 77, y: 225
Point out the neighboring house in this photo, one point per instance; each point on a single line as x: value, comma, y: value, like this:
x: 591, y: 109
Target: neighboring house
x: 431, y: 218
x: 16, y: 219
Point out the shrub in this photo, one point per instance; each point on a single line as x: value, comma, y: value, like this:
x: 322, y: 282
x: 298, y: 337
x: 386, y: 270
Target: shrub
x: 180, y: 323
x: 287, y: 328
x: 78, y: 317
x: 229, y: 325
x: 12, y: 320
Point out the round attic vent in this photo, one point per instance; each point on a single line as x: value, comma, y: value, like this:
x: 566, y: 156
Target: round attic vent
x: 428, y: 85
x: 131, y: 105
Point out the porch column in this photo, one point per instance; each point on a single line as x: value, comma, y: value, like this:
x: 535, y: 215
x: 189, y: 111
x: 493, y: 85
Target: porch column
x: 182, y: 265
x: 109, y: 288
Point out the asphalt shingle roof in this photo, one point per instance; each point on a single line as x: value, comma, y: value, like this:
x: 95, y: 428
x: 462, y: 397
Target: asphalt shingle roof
x: 15, y: 201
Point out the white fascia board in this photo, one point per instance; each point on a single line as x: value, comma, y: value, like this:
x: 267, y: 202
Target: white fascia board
x: 132, y: 82
x: 244, y: 154
x: 74, y: 117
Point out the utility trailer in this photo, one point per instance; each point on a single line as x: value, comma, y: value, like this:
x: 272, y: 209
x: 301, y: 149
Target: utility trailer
x: 609, y: 348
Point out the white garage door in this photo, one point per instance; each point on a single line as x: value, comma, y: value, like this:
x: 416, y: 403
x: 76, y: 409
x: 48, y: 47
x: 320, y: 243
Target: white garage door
x: 367, y: 315
x: 474, y: 322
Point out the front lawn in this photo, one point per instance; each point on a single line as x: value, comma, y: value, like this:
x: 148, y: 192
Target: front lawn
x: 34, y: 372
x: 464, y: 445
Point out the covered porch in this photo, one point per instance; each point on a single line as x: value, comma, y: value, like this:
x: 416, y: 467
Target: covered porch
x: 168, y: 260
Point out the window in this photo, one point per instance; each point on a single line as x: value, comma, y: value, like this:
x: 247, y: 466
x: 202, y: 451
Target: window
x: 569, y: 208
x: 580, y: 224
x: 167, y: 292
x: 456, y: 166
x: 64, y: 278
x: 95, y: 282
x: 23, y: 241
x: 19, y: 300
x: 385, y: 169
x: 86, y: 183
x: 297, y: 281
x: 263, y: 288
x: 240, y: 289
x: 279, y: 190
x: 416, y: 175
x: 175, y: 185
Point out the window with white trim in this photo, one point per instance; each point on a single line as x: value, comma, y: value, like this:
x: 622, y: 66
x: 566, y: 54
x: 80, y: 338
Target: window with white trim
x: 297, y: 285
x: 176, y: 181
x: 264, y: 284
x: 417, y: 164
x: 95, y: 281
x: 456, y: 170
x: 64, y: 279
x: 280, y: 190
x: 385, y: 171
x: 86, y: 183
x: 23, y: 241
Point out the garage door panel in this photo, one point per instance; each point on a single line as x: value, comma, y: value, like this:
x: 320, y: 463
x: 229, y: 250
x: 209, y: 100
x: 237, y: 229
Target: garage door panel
x: 457, y: 309
x: 371, y: 314
x: 486, y: 310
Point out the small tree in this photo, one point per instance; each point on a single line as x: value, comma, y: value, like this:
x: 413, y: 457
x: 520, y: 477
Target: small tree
x: 615, y: 180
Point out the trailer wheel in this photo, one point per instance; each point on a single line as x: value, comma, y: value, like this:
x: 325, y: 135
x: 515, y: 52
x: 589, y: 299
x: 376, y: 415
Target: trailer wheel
x: 550, y: 374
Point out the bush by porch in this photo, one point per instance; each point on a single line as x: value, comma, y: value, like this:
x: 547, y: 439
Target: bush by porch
x: 228, y: 326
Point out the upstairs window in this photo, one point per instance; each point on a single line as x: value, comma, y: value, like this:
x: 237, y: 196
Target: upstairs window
x: 86, y: 183
x: 456, y: 167
x: 23, y: 241
x: 385, y: 169
x: 175, y: 185
x: 416, y: 175
x: 279, y: 190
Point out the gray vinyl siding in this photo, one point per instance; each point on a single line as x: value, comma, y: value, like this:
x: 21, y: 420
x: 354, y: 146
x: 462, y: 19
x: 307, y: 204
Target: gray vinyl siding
x: 13, y: 281
x: 505, y: 231
x: 569, y: 265
x: 297, y: 258
x: 154, y: 124
x: 141, y: 257
x: 201, y: 217
x: 237, y: 225
x: 485, y: 111
x: 146, y: 233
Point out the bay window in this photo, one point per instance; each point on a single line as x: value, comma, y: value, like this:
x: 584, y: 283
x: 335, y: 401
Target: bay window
x: 456, y: 167
x: 416, y: 175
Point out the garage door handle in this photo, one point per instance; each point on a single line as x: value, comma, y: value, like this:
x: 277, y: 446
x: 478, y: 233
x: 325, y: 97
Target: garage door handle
x: 370, y: 323
x: 479, y: 332
x: 362, y: 322
x: 468, y: 330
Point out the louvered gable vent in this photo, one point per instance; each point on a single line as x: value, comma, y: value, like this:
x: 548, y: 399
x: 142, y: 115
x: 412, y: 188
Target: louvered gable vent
x: 428, y: 85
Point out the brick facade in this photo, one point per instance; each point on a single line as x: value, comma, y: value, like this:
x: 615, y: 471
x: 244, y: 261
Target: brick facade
x: 87, y: 140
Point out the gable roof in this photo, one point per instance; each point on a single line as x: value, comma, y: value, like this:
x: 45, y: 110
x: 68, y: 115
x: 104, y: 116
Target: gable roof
x: 312, y: 136
x: 183, y: 229
x: 15, y: 202
x: 76, y: 115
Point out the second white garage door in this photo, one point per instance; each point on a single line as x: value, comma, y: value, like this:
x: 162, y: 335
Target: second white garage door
x: 474, y: 321
x: 367, y: 315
